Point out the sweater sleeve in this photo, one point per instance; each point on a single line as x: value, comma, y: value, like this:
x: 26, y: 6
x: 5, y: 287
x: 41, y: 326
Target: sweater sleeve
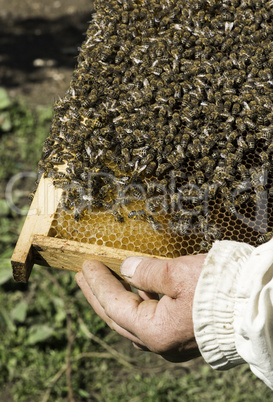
x: 233, y: 308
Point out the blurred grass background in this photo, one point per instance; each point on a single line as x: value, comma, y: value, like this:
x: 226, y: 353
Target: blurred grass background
x: 53, y: 347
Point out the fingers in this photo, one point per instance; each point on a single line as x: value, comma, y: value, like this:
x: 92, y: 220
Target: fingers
x: 140, y: 347
x: 148, y: 296
x: 92, y: 300
x: 162, y: 326
x: 144, y: 320
x: 166, y: 277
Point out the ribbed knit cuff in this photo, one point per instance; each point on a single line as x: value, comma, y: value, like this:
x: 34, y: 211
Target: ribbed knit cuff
x: 214, y: 302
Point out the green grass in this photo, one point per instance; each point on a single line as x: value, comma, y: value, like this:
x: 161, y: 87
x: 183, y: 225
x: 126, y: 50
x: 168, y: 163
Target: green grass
x: 53, y: 346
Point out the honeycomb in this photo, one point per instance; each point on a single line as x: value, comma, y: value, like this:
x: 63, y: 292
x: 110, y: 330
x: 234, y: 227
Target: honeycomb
x: 165, y: 133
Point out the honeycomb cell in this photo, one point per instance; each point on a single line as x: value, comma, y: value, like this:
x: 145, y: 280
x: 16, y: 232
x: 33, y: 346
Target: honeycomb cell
x: 117, y: 244
x: 163, y: 250
x: 170, y: 249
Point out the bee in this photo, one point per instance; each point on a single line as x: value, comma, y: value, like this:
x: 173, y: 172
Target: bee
x: 260, y: 194
x: 125, y: 17
x: 176, y: 119
x: 250, y: 139
x: 227, y: 105
x: 177, y: 91
x: 200, y: 177
x: 150, y: 168
x: 104, y: 190
x: 142, y: 151
x: 270, y: 148
x: 31, y: 196
x: 167, y: 150
x: 137, y: 192
x: 214, y: 232
x: 182, y: 226
x: 205, y: 245
x: 175, y: 160
x: 243, y: 171
x: 77, y: 212
x: 258, y: 177
x: 250, y: 123
x: 203, y: 225
x: 264, y: 157
x: 60, y: 175
x: 242, y: 199
x: 270, y: 191
x: 209, y: 167
x: 265, y: 133
x: 161, y: 186
x: 155, y: 225
x: 117, y: 215
x: 126, y: 154
x: 141, y: 214
x: 240, y: 124
x: 237, y: 157
x: 193, y: 195
x: 184, y: 141
x: 107, y: 205
x: 178, y: 174
x: 147, y: 159
x: 186, y: 100
x: 162, y: 168
x: 265, y: 237
x: 194, y: 150
x: 256, y: 60
x: 242, y: 144
x: 236, y: 108
x: 169, y: 138
x: 57, y: 160
x: 157, y: 204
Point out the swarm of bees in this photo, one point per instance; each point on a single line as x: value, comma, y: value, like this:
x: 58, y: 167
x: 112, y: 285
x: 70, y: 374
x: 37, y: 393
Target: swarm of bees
x: 171, y: 104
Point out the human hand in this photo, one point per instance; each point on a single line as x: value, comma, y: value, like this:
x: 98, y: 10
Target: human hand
x: 162, y: 325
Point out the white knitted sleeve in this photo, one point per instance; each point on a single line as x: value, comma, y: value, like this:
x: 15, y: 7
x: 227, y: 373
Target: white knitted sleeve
x: 233, y: 308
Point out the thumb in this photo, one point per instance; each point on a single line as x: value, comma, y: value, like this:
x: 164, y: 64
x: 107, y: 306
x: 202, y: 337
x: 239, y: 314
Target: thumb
x: 150, y: 274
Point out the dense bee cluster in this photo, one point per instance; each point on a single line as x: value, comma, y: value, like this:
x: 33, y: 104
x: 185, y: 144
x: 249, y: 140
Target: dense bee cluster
x: 168, y: 120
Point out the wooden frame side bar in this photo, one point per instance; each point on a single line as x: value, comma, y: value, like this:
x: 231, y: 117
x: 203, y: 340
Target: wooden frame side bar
x: 38, y: 221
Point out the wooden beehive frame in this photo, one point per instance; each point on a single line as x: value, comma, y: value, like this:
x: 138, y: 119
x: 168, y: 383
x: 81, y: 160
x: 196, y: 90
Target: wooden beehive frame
x: 35, y: 246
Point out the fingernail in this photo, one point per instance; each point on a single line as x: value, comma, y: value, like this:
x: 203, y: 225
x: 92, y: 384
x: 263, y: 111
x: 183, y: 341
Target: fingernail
x: 128, y: 267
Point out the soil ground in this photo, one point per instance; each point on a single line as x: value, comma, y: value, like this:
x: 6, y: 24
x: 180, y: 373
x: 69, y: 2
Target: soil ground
x: 39, y: 43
